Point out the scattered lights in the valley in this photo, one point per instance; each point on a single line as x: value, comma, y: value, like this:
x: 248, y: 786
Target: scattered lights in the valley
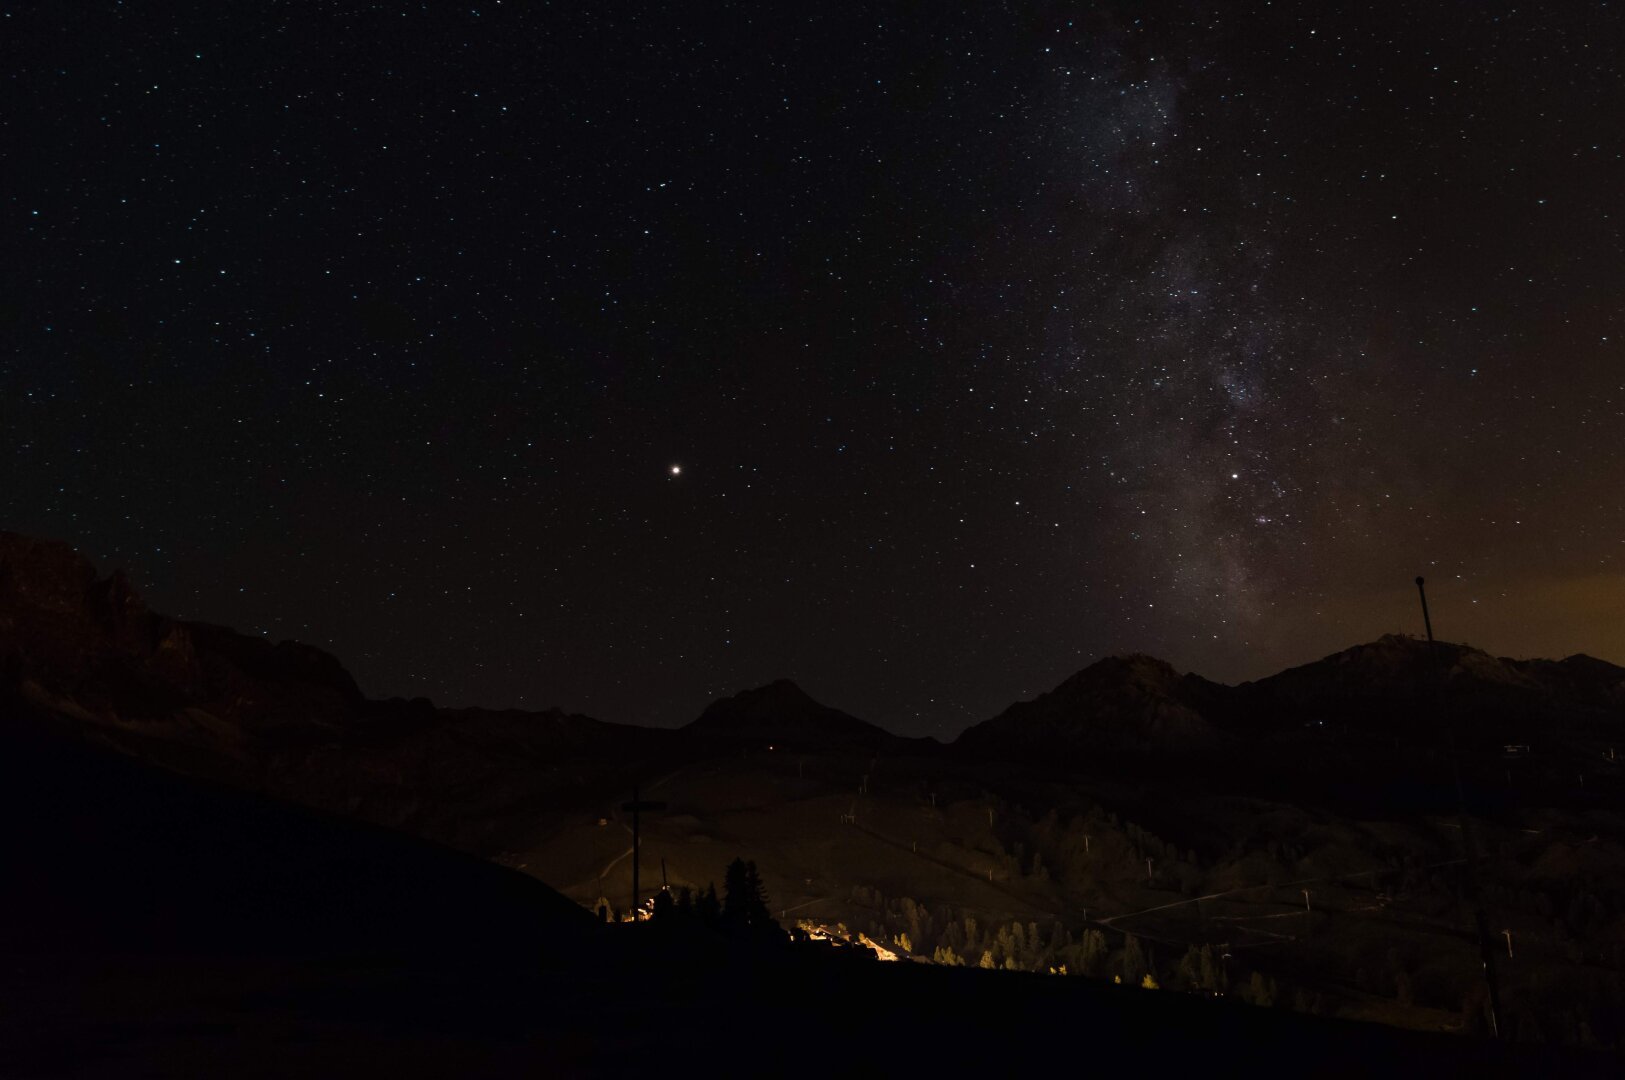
x: 838, y: 932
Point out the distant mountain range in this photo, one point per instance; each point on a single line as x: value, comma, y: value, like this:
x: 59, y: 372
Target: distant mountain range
x: 137, y: 749
x: 82, y: 652
x: 1395, y: 686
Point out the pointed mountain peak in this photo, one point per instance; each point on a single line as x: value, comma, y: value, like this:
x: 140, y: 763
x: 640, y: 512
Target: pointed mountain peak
x: 1134, y: 703
x: 781, y: 711
x: 1396, y: 660
x: 1136, y: 667
x: 779, y: 690
x: 1584, y: 662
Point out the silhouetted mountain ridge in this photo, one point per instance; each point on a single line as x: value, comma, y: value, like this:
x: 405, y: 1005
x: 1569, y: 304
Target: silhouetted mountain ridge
x: 1135, y: 703
x: 1389, y: 683
x: 782, y: 712
x: 206, y: 699
x: 85, y: 652
x: 1128, y: 787
x: 1394, y: 686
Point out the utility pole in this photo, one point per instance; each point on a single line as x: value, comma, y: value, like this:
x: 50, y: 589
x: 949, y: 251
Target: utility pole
x: 1485, y: 952
x: 1148, y: 868
x: 636, y: 806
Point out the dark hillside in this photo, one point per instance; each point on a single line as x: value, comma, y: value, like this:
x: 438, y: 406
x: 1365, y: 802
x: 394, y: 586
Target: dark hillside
x: 94, y: 664
x: 1130, y: 802
x: 161, y: 926
x: 106, y: 854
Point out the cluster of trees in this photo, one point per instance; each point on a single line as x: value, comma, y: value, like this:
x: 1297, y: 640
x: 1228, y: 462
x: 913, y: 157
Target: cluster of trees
x: 960, y: 939
x: 1012, y: 946
x: 741, y: 911
x: 1076, y: 852
x: 1566, y: 983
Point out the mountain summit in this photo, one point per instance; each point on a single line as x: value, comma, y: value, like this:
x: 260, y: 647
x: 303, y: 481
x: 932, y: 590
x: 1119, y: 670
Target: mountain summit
x: 1136, y: 703
x: 284, y: 716
x: 782, y: 712
x: 1390, y: 683
x: 1396, y: 687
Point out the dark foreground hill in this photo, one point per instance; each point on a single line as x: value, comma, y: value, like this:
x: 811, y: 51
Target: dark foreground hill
x: 156, y: 925
x: 106, y: 854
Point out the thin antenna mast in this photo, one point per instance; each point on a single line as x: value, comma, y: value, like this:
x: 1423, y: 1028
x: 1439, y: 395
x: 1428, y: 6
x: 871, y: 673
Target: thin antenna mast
x: 1485, y: 952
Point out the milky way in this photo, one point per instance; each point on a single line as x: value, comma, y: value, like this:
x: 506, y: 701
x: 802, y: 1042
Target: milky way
x: 621, y: 360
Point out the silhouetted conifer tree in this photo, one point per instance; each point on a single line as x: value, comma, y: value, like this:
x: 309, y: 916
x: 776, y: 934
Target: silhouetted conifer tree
x: 1207, y: 970
x: 744, y: 901
x: 708, y: 907
x: 1261, y: 991
x: 744, y: 907
x: 1186, y: 975
x: 1091, y: 954
x: 1135, y: 967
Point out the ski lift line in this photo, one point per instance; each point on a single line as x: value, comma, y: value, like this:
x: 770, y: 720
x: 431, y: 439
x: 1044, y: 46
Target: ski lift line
x: 668, y: 778
x: 1267, y: 885
x: 809, y: 903
x: 1028, y: 907
x: 604, y: 873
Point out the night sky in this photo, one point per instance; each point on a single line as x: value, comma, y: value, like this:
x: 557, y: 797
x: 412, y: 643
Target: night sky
x: 524, y: 356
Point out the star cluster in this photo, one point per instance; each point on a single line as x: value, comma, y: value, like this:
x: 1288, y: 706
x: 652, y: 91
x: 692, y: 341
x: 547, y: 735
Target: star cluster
x: 621, y: 359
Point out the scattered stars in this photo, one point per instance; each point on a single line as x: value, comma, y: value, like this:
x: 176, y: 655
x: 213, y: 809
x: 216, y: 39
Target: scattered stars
x: 436, y: 315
